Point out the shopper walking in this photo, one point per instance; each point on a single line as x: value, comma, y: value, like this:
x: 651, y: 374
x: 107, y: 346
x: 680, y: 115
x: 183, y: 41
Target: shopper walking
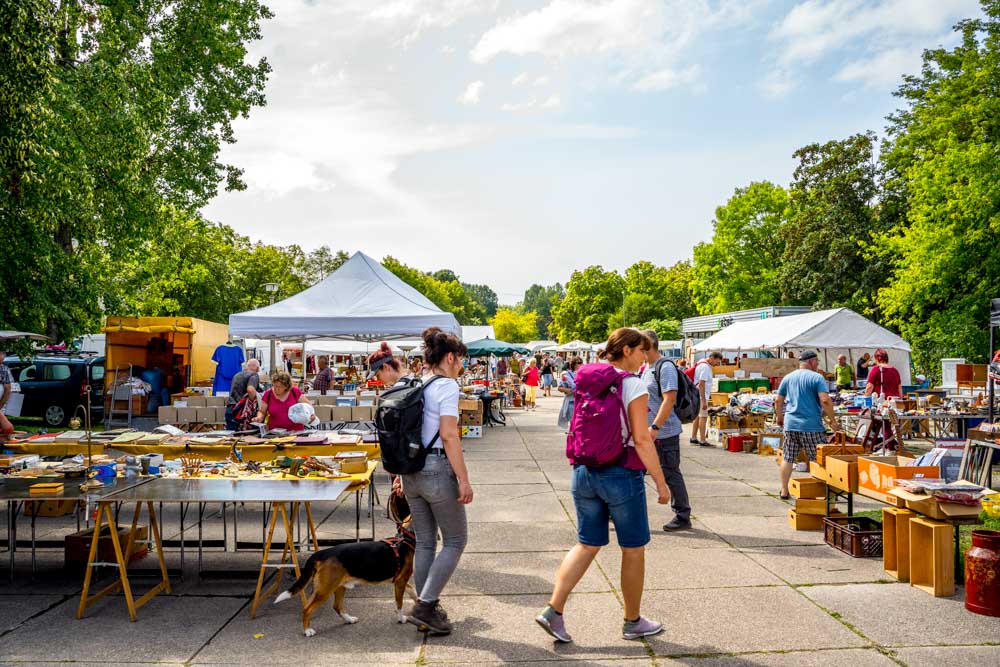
x: 799, y: 407
x: 660, y: 379
x: 615, y: 491
x: 703, y: 380
x: 439, y: 493
x: 567, y: 386
x: 547, y: 376
x: 530, y: 379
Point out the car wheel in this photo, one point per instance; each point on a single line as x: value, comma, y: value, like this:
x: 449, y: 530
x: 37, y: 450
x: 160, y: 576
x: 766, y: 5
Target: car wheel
x: 55, y: 415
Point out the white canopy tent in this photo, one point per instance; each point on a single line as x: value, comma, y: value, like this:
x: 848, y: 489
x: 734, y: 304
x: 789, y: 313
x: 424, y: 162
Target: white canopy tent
x: 362, y: 300
x: 829, y: 332
x: 575, y: 346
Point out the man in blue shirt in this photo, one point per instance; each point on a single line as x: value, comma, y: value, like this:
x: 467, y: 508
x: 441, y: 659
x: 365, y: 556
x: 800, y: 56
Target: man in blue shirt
x: 660, y: 378
x: 802, y: 401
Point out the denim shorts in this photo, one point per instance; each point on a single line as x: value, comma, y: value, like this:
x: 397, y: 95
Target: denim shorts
x: 614, y: 493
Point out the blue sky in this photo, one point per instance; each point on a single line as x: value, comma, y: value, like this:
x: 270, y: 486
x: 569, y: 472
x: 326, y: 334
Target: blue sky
x: 516, y: 141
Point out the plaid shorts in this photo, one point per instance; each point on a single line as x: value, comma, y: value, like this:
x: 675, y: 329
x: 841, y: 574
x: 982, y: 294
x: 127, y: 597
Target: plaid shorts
x: 797, y: 441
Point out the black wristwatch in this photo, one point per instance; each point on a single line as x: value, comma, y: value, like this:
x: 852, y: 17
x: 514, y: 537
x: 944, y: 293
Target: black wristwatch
x: 654, y: 427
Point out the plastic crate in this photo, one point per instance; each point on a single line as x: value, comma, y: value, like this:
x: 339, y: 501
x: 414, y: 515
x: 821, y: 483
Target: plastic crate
x: 856, y: 536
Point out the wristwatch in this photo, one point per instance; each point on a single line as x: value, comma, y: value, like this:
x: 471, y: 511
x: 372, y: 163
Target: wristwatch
x: 654, y: 427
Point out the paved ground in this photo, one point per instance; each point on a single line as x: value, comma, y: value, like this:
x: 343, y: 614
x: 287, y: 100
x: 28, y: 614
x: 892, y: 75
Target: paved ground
x: 742, y: 588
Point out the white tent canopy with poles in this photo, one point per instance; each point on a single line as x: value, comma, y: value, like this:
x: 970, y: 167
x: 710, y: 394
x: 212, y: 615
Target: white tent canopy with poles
x: 829, y: 332
x: 362, y: 300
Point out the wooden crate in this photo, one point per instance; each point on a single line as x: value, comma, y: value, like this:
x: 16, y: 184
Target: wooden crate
x: 896, y: 542
x: 932, y: 560
x: 822, y: 451
x: 815, y: 506
x: 842, y: 472
x: 807, y: 487
x: 804, y: 521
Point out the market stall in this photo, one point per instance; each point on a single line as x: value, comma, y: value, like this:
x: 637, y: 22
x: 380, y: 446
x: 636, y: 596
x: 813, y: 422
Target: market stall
x: 829, y: 332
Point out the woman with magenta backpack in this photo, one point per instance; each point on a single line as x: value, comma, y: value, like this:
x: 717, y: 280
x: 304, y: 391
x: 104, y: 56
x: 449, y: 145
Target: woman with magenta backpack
x: 610, y: 458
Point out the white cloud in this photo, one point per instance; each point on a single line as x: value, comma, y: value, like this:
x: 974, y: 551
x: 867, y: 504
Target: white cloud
x: 519, y: 106
x: 665, y: 79
x: 882, y: 70
x: 777, y: 83
x: 471, y: 95
x: 886, y: 34
x: 520, y: 79
x: 446, y: 50
x: 541, y: 81
x: 553, y: 102
x: 639, y: 41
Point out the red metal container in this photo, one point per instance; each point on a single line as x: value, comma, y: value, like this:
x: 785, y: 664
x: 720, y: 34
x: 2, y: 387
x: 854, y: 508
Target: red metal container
x: 735, y: 443
x: 982, y: 573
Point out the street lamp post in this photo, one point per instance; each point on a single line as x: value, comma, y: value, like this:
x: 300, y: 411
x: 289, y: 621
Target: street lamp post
x: 623, y: 309
x: 272, y: 290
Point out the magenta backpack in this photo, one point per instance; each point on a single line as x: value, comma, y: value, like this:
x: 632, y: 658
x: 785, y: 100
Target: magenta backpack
x: 595, y: 432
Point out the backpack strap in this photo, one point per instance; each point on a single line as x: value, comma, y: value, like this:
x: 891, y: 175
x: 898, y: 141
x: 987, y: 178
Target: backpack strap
x: 656, y: 373
x: 431, y: 381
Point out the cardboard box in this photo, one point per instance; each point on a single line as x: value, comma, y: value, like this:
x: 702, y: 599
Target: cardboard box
x: 187, y: 415
x: 724, y: 423
x: 807, y: 487
x: 842, y: 472
x: 470, y: 419
x: 50, y: 507
x: 197, y: 402
x: 361, y: 414
x: 804, y: 521
x: 472, y: 432
x: 341, y: 413
x: 354, y: 467
x: 755, y: 422
x: 325, y: 400
x: 928, y: 506
x: 206, y: 415
x: 815, y: 506
x: 470, y: 404
x: 215, y: 401
x: 324, y: 412
x: 167, y: 414
x: 877, y: 475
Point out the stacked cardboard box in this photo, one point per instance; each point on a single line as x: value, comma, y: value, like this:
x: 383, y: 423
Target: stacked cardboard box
x: 470, y: 412
x: 810, y: 503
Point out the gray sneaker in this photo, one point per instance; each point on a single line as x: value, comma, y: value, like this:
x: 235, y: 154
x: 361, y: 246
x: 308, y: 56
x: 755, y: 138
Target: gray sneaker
x: 641, y: 628
x: 428, y: 616
x: 554, y: 624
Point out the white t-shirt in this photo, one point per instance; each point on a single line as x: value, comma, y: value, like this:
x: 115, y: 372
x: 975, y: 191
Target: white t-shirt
x: 632, y: 388
x: 440, y: 400
x: 704, y: 372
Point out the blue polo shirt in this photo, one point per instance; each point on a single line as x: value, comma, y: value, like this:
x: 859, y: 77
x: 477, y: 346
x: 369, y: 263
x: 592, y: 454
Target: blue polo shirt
x: 803, y: 411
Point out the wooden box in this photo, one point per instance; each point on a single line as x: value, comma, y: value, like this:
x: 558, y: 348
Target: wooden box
x: 724, y: 423
x: 341, y: 413
x: 932, y: 559
x: 807, y: 487
x: 896, y: 542
x: 822, y: 451
x: 354, y: 467
x: 817, y: 470
x: 877, y: 475
x: 469, y: 404
x: 167, y: 414
x: 842, y: 472
x: 755, y: 422
x: 804, y: 521
x: 810, y: 506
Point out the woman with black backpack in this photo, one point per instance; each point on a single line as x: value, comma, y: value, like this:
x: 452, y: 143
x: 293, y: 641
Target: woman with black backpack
x: 440, y: 491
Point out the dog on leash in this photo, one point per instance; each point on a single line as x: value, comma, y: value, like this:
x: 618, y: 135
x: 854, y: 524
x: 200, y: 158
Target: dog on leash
x: 339, y: 568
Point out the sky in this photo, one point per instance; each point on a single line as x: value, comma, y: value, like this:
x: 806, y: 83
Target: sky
x: 514, y: 141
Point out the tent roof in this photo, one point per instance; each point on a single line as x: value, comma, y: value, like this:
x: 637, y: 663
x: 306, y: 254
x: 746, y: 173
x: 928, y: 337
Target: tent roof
x: 575, y: 346
x: 487, y: 346
x: 362, y: 300
x: 837, y: 328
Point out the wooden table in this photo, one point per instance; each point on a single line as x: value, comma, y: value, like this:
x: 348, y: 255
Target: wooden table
x: 286, y: 495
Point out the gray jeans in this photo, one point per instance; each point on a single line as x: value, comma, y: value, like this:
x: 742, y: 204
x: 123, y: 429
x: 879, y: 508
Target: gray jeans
x: 433, y: 497
x: 669, y: 451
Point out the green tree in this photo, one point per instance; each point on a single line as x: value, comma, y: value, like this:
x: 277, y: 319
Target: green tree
x: 832, y: 221
x: 118, y: 112
x: 670, y: 289
x: 592, y: 297
x: 514, y: 326
x: 484, y: 296
x: 739, y: 267
x: 943, y: 147
x: 665, y: 329
x: 542, y: 300
x: 321, y: 262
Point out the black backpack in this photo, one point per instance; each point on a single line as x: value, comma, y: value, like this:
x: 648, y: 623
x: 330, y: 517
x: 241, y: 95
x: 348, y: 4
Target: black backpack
x: 688, y: 403
x: 399, y: 416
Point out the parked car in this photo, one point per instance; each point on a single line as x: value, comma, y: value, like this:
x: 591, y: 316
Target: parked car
x: 54, y: 385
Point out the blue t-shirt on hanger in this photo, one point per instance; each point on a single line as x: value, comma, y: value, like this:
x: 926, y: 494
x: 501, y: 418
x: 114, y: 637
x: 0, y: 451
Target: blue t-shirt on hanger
x: 229, y: 361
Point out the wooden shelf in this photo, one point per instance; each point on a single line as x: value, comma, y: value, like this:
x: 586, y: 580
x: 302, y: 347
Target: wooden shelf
x: 932, y: 561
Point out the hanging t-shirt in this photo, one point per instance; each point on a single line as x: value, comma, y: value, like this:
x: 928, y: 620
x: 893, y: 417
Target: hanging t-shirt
x: 277, y: 409
x: 229, y: 361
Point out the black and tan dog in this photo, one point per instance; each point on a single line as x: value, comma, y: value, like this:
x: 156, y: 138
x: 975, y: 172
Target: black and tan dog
x: 339, y: 568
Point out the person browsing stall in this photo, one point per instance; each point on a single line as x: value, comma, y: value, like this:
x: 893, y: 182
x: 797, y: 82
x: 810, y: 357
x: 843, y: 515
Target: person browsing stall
x: 324, y: 377
x: 245, y: 383
x: 439, y: 493
x: 660, y: 378
x: 547, y: 376
x: 883, y: 379
x: 530, y: 378
x: 616, y: 492
x: 703, y: 375
x: 800, y: 405
x: 382, y: 366
x: 844, y: 373
x: 276, y: 401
